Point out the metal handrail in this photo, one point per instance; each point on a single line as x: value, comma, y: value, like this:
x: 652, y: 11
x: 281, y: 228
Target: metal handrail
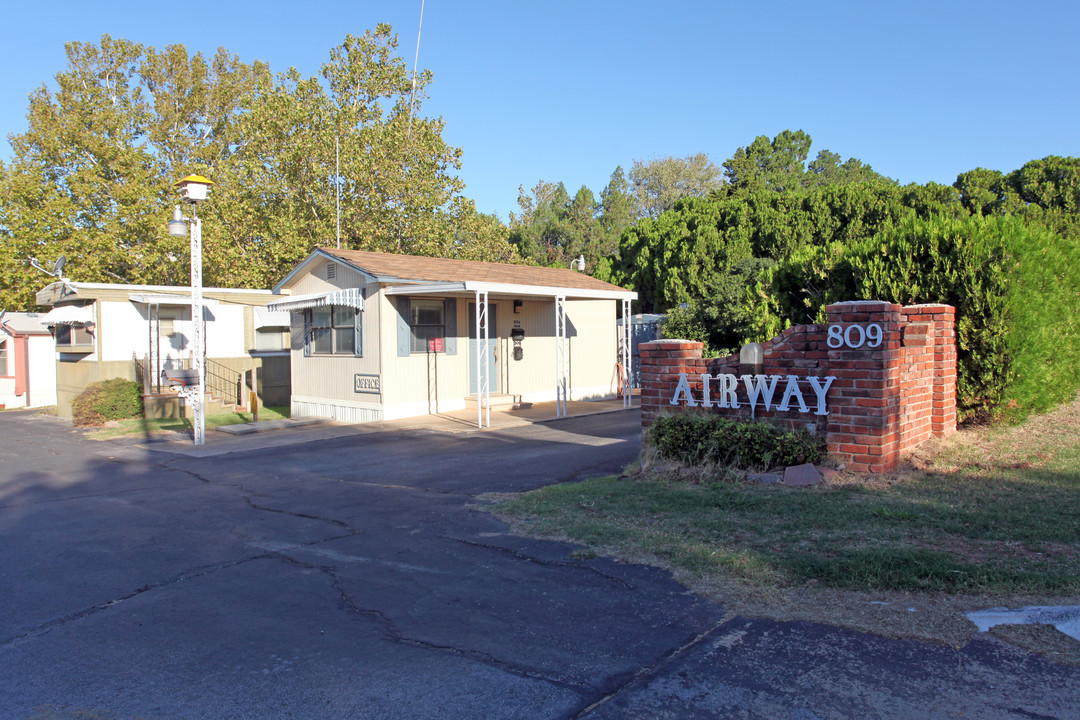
x: 224, y: 382
x: 221, y: 381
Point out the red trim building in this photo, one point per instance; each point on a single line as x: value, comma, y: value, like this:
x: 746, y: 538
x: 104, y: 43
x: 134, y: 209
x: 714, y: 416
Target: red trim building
x: 27, y: 361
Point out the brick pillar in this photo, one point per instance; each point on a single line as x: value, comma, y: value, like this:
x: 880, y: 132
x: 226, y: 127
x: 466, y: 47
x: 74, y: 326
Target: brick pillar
x: 864, y: 414
x: 943, y: 417
x: 661, y: 363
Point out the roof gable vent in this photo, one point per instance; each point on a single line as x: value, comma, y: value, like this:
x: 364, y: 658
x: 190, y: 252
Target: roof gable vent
x: 331, y: 270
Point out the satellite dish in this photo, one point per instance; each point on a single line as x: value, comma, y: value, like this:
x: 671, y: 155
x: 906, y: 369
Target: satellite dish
x: 58, y: 268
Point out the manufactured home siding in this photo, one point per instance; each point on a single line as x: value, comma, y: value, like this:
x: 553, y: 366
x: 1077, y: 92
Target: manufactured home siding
x: 594, y: 351
x: 409, y: 382
x: 325, y: 380
x: 590, y: 349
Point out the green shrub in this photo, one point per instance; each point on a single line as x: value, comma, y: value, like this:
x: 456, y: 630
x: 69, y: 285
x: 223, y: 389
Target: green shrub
x: 106, y: 400
x: 698, y: 438
x: 1015, y: 286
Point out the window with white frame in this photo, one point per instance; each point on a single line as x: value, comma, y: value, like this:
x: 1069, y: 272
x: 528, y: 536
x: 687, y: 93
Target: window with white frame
x: 334, y: 330
x: 427, y: 321
x: 3, y: 358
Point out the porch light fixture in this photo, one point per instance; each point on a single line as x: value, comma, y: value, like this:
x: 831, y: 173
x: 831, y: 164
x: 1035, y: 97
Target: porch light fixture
x: 193, y: 190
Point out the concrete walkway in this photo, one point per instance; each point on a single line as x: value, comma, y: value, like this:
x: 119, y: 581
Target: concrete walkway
x: 274, y: 433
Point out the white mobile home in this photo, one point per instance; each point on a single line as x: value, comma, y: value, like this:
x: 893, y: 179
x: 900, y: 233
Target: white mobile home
x: 135, y: 332
x: 378, y: 336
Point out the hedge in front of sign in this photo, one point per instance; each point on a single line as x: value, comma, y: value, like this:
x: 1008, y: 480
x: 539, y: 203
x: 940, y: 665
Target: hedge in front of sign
x: 702, y: 438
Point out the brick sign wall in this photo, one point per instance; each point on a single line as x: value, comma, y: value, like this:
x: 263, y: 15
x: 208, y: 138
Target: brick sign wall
x: 875, y: 381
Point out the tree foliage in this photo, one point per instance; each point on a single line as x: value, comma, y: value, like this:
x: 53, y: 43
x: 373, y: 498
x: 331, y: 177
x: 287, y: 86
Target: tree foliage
x: 91, y: 176
x: 779, y: 165
x: 661, y: 182
x: 553, y: 229
x: 1013, y: 282
x: 674, y: 259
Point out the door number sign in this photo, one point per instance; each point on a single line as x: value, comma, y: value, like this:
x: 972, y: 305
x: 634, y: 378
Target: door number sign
x: 854, y: 336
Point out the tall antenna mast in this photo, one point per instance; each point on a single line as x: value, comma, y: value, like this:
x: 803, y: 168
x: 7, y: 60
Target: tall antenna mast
x: 416, y: 59
x: 337, y: 186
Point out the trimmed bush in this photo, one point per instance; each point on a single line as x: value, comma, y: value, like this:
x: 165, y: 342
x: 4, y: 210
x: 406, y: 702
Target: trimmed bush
x: 106, y: 400
x: 1015, y: 286
x: 698, y: 438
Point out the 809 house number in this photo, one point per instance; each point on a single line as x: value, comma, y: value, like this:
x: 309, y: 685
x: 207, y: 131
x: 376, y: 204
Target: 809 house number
x: 854, y: 336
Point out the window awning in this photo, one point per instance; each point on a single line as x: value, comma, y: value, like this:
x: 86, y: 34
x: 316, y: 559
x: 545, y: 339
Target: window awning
x: 69, y: 315
x: 350, y: 297
x: 264, y: 317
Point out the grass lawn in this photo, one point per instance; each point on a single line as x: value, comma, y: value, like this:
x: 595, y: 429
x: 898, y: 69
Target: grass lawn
x: 141, y: 426
x: 986, y: 518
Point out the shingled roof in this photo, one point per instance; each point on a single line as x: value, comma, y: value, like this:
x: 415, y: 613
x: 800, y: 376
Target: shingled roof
x: 389, y: 267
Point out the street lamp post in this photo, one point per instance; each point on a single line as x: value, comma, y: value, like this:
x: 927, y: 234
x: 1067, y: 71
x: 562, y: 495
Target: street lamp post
x: 193, y: 190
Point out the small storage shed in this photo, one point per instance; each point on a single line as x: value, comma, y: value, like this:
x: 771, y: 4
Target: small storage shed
x: 27, y: 371
x: 378, y: 336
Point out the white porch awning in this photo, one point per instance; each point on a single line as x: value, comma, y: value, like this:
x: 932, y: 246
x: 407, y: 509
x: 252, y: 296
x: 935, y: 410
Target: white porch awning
x: 69, y: 315
x: 178, y: 300
x: 349, y: 297
x: 470, y: 286
x: 264, y: 317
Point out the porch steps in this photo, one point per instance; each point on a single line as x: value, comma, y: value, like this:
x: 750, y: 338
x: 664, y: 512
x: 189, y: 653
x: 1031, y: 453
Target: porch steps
x: 500, y: 401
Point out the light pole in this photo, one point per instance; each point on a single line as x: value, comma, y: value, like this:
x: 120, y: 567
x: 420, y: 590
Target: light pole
x: 193, y: 190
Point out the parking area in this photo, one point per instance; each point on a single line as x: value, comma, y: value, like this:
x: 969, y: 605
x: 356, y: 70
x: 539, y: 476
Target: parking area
x: 359, y: 576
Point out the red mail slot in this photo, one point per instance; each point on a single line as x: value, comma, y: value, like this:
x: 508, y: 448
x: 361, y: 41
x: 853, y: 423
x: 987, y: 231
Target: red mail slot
x: 435, y: 344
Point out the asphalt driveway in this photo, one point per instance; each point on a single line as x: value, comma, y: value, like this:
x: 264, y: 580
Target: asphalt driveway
x: 360, y: 577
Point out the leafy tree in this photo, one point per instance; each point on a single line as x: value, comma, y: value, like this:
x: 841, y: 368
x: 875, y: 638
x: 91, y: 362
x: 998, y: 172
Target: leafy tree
x: 780, y: 165
x: 617, y: 210
x: 659, y: 183
x: 775, y: 164
x: 554, y: 229
x: 673, y: 259
x: 92, y: 175
x: 721, y: 318
x: 981, y: 191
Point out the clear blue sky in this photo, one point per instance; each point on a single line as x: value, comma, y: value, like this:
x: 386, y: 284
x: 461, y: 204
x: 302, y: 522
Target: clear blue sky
x: 569, y: 90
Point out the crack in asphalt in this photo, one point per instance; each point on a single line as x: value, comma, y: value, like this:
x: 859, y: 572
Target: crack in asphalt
x: 539, y: 561
x: 393, y: 633
x: 305, y: 516
x: 190, y: 574
x: 650, y: 672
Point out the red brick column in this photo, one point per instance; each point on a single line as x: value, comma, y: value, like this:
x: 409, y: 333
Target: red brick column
x: 863, y: 421
x: 661, y: 363
x: 943, y: 418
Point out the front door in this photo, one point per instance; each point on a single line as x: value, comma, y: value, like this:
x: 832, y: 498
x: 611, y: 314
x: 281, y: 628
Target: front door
x: 493, y: 348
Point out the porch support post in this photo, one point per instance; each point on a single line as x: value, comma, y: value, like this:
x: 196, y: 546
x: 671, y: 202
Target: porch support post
x: 483, y: 378
x: 628, y: 356
x: 153, y: 364
x: 560, y: 356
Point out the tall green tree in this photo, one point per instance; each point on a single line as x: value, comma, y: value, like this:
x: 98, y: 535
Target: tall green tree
x: 91, y: 177
x: 780, y: 165
x: 675, y: 258
x: 661, y: 182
